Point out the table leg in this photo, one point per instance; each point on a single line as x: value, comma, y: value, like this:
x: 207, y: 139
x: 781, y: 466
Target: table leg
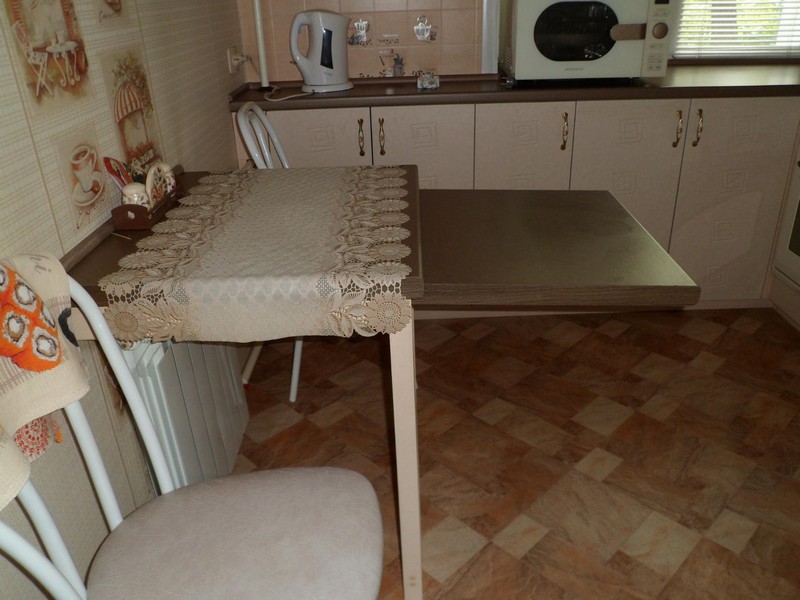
x: 404, y: 401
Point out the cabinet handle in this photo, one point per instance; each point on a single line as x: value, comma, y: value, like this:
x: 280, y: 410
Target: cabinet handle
x: 696, y: 140
x: 361, y: 137
x: 381, y: 136
x: 565, y: 131
x: 679, y: 130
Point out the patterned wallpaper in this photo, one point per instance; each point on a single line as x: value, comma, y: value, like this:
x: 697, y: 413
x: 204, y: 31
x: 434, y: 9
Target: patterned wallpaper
x: 181, y: 46
x: 456, y: 24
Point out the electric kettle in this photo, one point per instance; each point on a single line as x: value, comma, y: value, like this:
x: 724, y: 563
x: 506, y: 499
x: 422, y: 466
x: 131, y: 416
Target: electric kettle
x: 324, y: 68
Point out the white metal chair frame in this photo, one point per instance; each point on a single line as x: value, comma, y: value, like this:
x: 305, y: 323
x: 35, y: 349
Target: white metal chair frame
x: 36, y: 59
x: 258, y: 134
x: 59, y: 575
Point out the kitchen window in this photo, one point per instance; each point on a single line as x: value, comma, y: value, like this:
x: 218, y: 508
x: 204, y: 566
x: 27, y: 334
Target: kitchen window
x: 719, y: 29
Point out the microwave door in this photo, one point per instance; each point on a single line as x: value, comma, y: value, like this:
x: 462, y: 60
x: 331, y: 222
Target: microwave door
x: 578, y: 39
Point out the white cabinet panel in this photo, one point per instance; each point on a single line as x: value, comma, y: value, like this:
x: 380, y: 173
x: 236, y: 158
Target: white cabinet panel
x: 632, y: 148
x: 523, y: 146
x: 735, y: 168
x: 324, y: 137
x: 438, y: 139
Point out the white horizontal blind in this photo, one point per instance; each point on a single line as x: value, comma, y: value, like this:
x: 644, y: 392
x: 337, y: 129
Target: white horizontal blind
x: 738, y: 28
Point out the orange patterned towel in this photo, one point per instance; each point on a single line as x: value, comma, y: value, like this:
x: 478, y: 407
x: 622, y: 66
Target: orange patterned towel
x: 40, y: 371
x: 28, y: 335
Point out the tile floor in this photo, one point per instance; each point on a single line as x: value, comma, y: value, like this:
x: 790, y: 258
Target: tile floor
x: 641, y: 455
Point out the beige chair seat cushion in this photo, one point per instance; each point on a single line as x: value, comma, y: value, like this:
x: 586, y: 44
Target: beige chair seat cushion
x: 284, y: 533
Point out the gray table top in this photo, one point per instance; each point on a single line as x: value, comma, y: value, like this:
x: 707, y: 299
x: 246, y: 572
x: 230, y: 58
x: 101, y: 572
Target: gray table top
x: 542, y: 249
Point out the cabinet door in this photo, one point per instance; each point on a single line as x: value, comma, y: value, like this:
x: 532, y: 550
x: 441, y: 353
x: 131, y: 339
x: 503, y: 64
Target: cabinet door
x: 523, y: 146
x: 735, y: 168
x: 438, y: 139
x: 632, y: 148
x: 332, y: 137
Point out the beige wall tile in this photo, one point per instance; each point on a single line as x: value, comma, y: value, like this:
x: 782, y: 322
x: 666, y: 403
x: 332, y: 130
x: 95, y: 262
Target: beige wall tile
x: 351, y: 6
x: 390, y: 5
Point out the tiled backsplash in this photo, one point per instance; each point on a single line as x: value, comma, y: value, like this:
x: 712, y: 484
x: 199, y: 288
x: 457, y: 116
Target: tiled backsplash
x: 456, y: 24
x: 182, y: 46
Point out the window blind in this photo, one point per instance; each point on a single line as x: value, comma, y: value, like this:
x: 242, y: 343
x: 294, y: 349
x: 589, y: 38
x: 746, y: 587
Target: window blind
x: 738, y: 28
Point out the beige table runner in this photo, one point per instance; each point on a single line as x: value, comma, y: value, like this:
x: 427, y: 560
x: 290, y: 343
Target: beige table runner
x: 256, y: 255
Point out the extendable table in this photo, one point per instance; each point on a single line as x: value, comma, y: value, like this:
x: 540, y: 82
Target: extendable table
x: 259, y: 255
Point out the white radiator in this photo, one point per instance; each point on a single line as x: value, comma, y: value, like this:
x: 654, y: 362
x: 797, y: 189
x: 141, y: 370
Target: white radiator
x: 196, y: 400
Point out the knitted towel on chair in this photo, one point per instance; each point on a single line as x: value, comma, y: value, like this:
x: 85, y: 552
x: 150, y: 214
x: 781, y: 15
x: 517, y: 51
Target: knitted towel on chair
x: 40, y: 370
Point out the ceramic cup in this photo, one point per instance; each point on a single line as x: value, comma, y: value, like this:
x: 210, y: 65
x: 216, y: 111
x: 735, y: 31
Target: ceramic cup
x: 83, y: 160
x: 134, y: 193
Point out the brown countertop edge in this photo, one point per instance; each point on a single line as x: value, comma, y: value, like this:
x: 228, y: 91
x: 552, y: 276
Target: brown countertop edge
x: 707, y: 81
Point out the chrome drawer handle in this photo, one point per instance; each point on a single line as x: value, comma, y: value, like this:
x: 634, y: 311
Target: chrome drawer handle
x: 361, y: 137
x: 565, y: 131
x: 381, y: 136
x: 679, y: 130
x: 696, y: 140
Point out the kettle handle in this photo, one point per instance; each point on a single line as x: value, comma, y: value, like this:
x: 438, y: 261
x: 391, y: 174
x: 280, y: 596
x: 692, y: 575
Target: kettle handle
x: 300, y: 20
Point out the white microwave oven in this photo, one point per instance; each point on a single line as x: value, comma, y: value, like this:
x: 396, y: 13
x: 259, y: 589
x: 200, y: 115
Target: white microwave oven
x: 579, y: 39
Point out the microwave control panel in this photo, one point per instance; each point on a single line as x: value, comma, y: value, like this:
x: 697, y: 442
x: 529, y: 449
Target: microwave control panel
x: 657, y: 38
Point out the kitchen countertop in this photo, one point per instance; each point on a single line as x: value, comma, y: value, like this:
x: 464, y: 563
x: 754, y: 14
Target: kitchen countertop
x: 680, y: 82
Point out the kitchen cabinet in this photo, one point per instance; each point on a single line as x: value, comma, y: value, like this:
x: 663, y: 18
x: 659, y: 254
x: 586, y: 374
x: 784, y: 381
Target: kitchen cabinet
x: 734, y: 173
x: 633, y: 148
x: 708, y: 189
x: 523, y: 146
x: 439, y: 139
x: 324, y: 137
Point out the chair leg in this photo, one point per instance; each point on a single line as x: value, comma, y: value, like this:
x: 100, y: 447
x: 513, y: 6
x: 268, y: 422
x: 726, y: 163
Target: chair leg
x: 251, y: 363
x: 298, y: 354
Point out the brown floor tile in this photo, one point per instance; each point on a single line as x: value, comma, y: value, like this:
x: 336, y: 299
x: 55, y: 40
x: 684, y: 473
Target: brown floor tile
x: 712, y: 572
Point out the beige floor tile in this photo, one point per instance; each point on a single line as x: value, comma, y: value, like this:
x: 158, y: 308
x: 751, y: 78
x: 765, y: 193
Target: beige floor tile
x: 656, y: 367
x: 705, y: 361
x: 661, y: 544
x: 598, y: 464
x: 494, y: 410
x: 702, y: 330
x: 566, y: 334
x: 731, y: 530
x: 272, y: 421
x: 243, y: 465
x: 613, y: 328
x: 746, y: 324
x: 448, y: 546
x: 659, y: 407
x: 520, y: 536
x: 603, y: 415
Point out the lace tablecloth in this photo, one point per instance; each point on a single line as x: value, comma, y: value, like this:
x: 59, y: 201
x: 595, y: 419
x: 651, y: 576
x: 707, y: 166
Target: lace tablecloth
x: 257, y: 255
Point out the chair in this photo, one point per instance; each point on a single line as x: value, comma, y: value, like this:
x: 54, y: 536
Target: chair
x: 284, y: 533
x: 36, y: 59
x: 258, y: 134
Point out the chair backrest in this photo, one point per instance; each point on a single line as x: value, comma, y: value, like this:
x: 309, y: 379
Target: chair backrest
x: 257, y: 133
x: 58, y: 573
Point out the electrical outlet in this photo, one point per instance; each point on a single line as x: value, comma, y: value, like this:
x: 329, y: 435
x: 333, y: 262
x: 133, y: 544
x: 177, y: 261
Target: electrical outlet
x: 233, y: 63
